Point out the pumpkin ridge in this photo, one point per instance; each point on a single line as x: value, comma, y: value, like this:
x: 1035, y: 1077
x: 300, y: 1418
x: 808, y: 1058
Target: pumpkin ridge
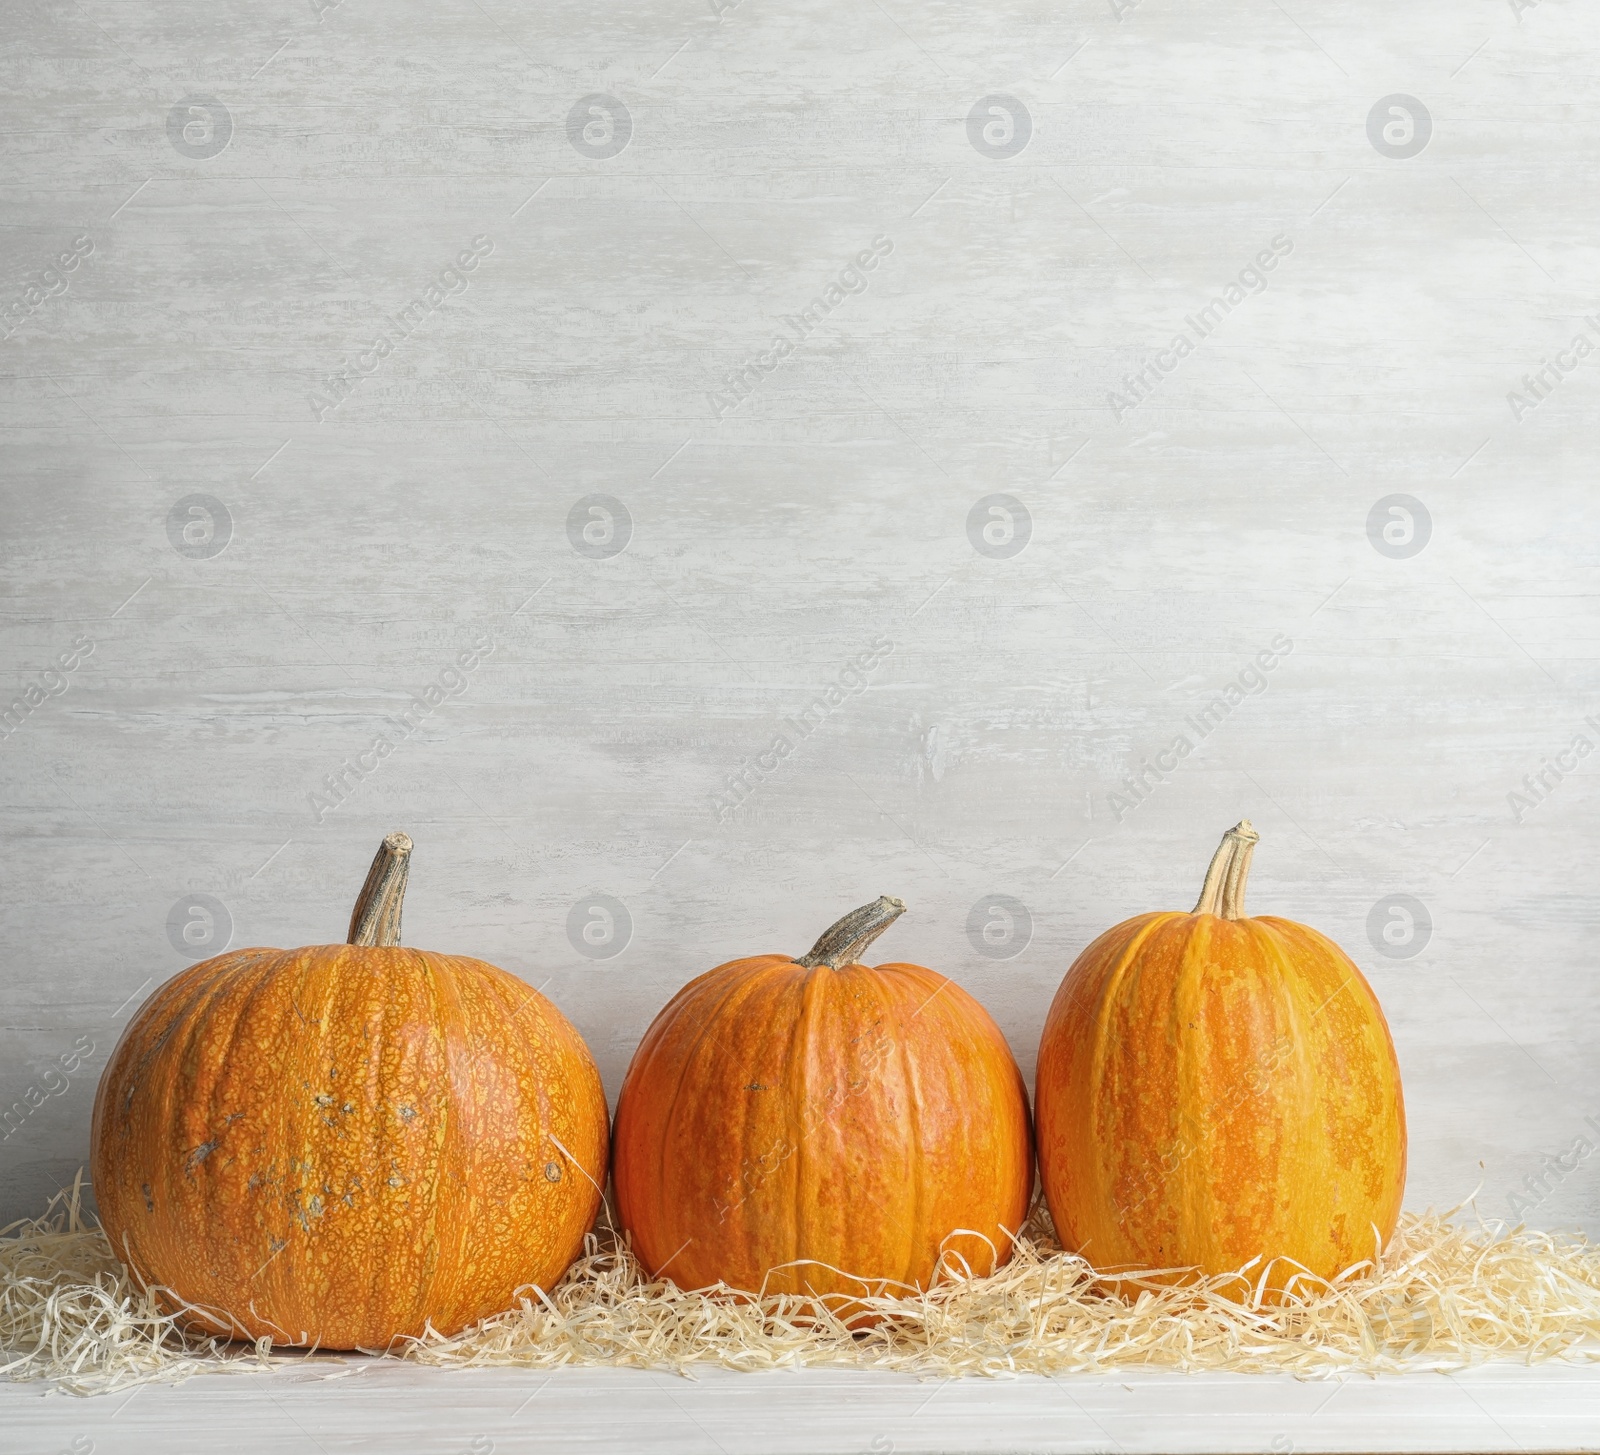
x: 299, y: 1020
x: 257, y: 1008
x: 977, y: 1077
x: 1313, y: 1039
x: 1265, y: 1128
x: 1118, y: 951
x: 129, y: 1115
x: 1110, y: 988
x: 233, y: 992
x: 910, y: 1082
x: 562, y: 1037
x: 716, y: 995
x: 1192, y: 1076
x: 1289, y: 1091
x: 368, y: 1001
x: 172, y: 997
x: 316, y: 1004
x: 395, y: 988
x: 798, y: 1239
x: 861, y: 995
x: 709, y: 1003
x: 927, y: 986
x: 1306, y: 1037
x: 400, y: 989
x: 448, y: 1290
x: 253, y: 984
x: 318, y: 1159
x: 338, y: 997
x: 511, y: 1014
x: 803, y: 995
x: 499, y: 1048
x: 1382, y: 1099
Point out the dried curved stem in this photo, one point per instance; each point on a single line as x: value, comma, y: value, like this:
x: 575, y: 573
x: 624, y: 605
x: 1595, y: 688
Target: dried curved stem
x: 846, y: 942
x: 1223, y: 892
x: 376, y: 917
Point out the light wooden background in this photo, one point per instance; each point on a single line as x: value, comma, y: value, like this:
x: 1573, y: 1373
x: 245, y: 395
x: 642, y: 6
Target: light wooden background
x: 770, y: 543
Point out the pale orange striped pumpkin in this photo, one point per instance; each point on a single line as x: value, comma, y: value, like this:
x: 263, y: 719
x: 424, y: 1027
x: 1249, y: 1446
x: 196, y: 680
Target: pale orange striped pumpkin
x: 1216, y: 1091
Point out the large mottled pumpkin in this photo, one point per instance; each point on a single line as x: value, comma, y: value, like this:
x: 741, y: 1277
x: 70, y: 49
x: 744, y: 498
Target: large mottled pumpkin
x: 1216, y: 1091
x: 815, y: 1127
x: 342, y: 1144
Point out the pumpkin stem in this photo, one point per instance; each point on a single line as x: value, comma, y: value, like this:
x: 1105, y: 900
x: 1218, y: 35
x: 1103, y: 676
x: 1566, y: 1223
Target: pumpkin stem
x: 1223, y: 892
x: 845, y: 942
x: 376, y: 917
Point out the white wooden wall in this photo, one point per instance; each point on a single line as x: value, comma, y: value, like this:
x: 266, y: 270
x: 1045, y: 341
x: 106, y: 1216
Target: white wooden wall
x: 237, y: 201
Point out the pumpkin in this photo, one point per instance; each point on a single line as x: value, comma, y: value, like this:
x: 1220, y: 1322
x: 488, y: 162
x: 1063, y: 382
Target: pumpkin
x: 343, y: 1144
x: 811, y: 1126
x: 1214, y: 1090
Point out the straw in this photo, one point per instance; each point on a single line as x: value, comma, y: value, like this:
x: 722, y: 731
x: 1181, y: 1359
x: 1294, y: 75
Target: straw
x: 1445, y: 1294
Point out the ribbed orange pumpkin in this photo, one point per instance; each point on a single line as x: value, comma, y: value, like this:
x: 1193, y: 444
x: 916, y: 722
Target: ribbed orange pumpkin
x: 1214, y: 1090
x: 340, y: 1144
x: 817, y: 1127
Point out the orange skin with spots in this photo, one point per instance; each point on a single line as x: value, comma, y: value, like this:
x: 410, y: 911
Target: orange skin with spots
x: 852, y: 1117
x: 337, y: 1145
x: 1215, y: 1090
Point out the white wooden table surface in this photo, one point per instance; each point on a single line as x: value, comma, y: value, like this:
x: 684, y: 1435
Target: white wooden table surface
x: 1502, y: 1407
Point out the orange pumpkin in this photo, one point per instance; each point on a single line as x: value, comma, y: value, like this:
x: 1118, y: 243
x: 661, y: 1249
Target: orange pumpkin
x: 820, y: 1128
x: 342, y: 1144
x: 1214, y: 1090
